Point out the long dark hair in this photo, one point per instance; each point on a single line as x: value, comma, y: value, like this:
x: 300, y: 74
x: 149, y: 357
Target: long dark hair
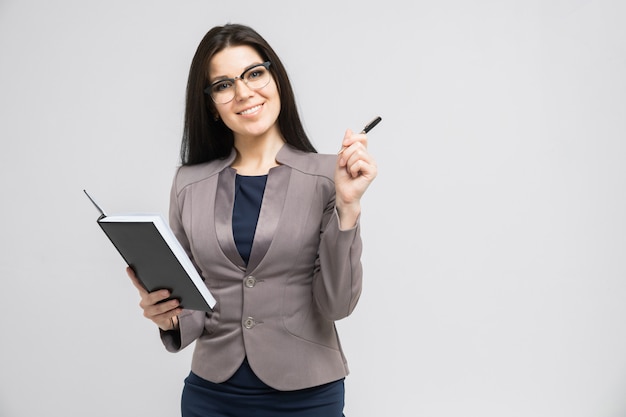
x: 206, y: 139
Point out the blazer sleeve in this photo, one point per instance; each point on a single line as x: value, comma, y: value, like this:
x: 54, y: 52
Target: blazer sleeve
x: 191, y: 322
x: 338, y: 276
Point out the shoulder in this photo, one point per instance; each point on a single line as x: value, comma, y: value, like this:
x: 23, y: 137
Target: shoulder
x: 191, y: 174
x: 310, y: 163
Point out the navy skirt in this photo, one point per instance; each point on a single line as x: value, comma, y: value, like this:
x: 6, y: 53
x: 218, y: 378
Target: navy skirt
x: 245, y: 395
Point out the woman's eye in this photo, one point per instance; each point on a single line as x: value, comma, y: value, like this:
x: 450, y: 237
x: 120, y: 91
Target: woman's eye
x: 221, y: 86
x: 256, y: 73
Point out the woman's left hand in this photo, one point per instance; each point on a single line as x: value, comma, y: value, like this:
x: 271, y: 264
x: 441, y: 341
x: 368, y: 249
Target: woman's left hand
x: 355, y: 171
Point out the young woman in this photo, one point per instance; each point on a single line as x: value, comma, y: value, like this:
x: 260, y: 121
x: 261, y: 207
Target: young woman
x: 273, y: 228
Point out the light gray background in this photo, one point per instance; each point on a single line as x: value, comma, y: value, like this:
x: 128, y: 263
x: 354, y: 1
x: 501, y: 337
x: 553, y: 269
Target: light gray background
x: 494, y: 235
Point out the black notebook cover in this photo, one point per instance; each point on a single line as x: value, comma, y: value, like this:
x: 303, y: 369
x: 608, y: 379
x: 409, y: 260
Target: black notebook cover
x: 150, y: 248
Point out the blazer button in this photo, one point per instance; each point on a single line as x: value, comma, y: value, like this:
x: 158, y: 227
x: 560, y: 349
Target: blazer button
x: 250, y: 281
x: 249, y: 323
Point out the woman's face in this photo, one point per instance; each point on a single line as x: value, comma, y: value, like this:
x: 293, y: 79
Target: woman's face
x: 251, y: 113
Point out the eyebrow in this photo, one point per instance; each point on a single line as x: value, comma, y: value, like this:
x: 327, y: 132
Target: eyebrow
x: 225, y: 77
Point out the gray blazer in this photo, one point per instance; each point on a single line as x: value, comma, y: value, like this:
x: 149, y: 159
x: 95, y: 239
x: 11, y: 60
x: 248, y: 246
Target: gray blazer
x: 303, y: 274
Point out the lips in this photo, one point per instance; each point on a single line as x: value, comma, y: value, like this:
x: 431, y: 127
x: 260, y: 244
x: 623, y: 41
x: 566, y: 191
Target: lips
x: 250, y: 110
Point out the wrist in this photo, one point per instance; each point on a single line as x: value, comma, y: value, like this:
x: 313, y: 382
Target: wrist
x: 172, y: 325
x: 348, y: 215
x: 174, y: 322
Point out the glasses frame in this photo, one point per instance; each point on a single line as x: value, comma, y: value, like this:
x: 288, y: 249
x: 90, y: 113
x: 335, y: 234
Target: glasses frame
x: 208, y: 92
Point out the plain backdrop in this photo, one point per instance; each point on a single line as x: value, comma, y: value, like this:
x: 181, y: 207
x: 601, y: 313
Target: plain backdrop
x: 495, y: 234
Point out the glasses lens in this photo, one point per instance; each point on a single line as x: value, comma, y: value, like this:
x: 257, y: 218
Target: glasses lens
x: 223, y: 91
x: 257, y: 77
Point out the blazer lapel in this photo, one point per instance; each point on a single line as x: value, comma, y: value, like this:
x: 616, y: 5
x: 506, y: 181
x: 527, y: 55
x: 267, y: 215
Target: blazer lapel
x: 224, y: 202
x: 271, y: 211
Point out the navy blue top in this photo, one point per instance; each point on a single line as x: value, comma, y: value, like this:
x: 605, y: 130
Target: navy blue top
x: 248, y: 197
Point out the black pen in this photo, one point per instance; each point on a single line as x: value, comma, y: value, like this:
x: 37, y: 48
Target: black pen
x: 371, y: 124
x: 366, y: 129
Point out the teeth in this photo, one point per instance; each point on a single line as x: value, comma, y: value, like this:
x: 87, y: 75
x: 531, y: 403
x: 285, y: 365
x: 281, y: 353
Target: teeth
x: 252, y: 110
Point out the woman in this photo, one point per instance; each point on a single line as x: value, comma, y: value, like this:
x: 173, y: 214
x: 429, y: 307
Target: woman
x: 273, y: 228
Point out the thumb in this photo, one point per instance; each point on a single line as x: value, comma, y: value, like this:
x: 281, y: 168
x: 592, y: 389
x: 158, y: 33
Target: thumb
x: 136, y: 282
x: 345, y: 143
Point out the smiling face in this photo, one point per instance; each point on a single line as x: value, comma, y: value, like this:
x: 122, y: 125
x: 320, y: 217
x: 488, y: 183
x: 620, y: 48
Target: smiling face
x: 251, y: 113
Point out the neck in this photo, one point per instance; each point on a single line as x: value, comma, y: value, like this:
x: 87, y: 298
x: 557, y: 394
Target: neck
x: 256, y: 156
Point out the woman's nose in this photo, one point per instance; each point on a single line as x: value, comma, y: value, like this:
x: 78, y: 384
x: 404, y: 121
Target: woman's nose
x: 242, y: 91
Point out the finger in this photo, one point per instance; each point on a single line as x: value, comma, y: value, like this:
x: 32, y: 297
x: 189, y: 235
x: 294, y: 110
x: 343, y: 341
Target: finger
x: 344, y: 143
x: 154, y: 298
x: 357, y: 168
x: 167, y: 308
x: 165, y: 321
x: 356, y: 152
x: 346, y: 138
x: 148, y: 298
x: 351, y: 153
x: 361, y: 163
x: 353, y: 138
x: 350, y: 137
x: 131, y: 274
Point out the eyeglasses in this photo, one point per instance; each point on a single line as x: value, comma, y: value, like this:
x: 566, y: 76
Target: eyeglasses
x: 255, y: 77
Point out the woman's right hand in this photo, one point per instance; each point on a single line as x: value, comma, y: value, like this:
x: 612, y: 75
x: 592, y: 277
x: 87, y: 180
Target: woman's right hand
x: 162, y: 313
